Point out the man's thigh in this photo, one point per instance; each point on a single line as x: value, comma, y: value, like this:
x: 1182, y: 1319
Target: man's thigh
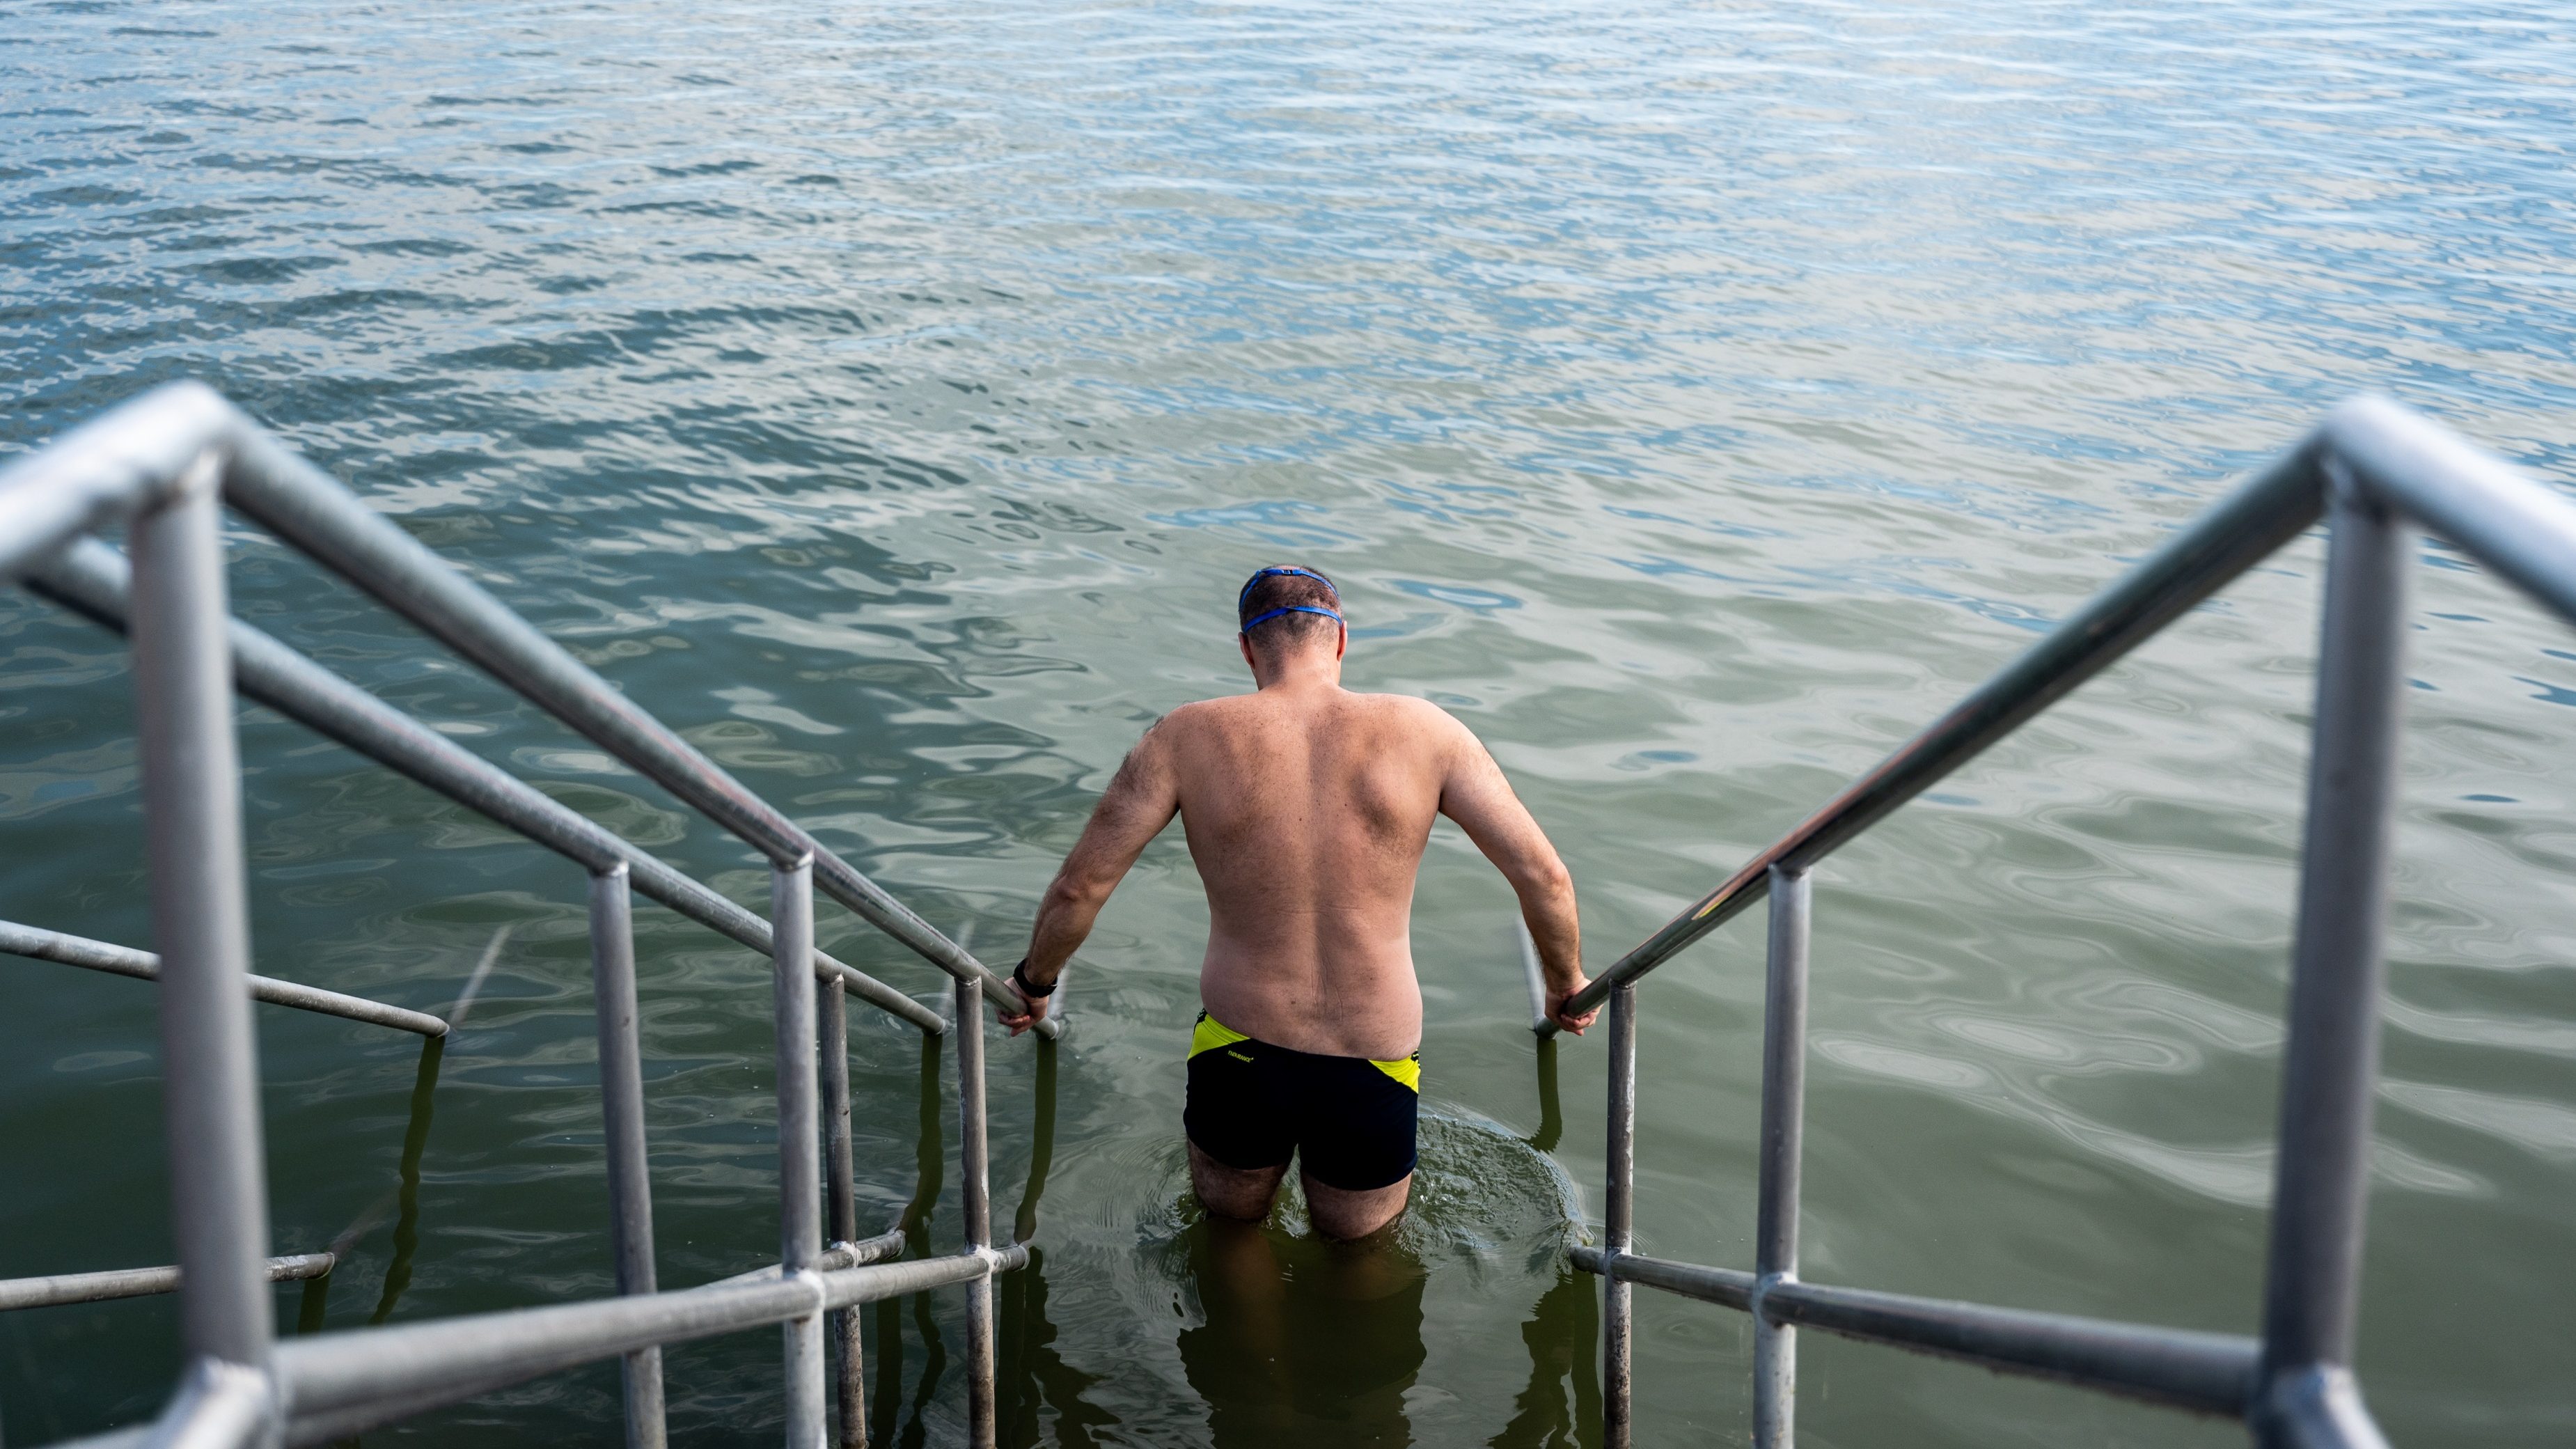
x: 1239, y: 1130
x: 1234, y: 1192
x: 1357, y: 1133
x: 1341, y: 1213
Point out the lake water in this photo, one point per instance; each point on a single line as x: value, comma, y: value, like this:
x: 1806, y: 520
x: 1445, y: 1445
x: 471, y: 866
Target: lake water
x: 1695, y: 400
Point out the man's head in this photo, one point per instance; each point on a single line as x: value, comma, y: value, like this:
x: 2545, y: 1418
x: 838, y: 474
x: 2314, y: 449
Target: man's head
x: 1285, y: 610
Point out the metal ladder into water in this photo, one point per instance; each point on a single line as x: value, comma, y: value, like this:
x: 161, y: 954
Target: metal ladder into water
x: 2376, y: 473
x: 162, y: 465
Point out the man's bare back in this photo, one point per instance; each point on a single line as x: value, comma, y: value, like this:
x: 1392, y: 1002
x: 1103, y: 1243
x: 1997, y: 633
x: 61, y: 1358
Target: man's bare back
x: 1307, y: 808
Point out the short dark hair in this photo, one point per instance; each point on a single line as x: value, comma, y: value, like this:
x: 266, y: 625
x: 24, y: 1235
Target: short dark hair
x: 1304, y: 589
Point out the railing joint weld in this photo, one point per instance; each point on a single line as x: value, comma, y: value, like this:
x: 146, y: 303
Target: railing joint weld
x: 1763, y: 1283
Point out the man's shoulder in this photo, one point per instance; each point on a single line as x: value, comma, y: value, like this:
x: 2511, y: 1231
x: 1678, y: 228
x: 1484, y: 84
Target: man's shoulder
x: 1199, y: 712
x: 1410, y: 715
x: 1186, y: 721
x: 1409, y: 705
x: 1230, y: 712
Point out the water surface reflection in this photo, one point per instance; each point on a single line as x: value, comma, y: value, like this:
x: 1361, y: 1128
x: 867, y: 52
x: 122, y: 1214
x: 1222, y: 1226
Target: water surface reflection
x: 1303, y: 1337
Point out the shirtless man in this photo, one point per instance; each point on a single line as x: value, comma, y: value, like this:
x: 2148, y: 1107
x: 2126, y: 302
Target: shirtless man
x: 1307, y: 809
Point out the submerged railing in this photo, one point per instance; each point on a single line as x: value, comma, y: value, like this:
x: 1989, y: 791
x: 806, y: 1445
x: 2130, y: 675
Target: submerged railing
x: 2374, y: 471
x: 162, y: 465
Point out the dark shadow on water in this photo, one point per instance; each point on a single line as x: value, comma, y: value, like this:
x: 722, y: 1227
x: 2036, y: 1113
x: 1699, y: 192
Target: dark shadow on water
x: 1561, y: 1407
x: 1302, y: 1340
x: 1024, y: 1225
x: 1035, y: 1376
x: 1562, y: 1334
x: 315, y: 1305
x: 1551, y: 1117
x: 407, y: 1200
x: 1031, y: 1373
x: 885, y: 1398
x: 934, y: 1365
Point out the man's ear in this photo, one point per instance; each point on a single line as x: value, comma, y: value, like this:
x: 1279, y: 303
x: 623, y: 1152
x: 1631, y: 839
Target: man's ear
x: 1244, y: 646
x: 1342, y: 645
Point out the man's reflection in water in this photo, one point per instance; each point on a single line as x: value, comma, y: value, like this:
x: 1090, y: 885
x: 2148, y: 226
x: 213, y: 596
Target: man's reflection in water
x: 1304, y: 1337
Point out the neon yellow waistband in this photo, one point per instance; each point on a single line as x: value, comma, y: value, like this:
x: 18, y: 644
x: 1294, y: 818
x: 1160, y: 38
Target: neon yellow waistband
x: 1211, y: 1034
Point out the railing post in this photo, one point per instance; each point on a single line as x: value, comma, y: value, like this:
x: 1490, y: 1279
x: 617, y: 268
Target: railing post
x: 621, y: 1095
x: 1784, y: 1108
x: 2330, y: 1068
x: 800, y: 1190
x: 840, y: 1195
x: 1618, y: 1216
x: 183, y: 696
x: 977, y: 1187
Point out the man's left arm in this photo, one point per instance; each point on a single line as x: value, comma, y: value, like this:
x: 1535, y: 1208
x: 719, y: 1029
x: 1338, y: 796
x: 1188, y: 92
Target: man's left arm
x: 1141, y: 799
x: 1474, y: 793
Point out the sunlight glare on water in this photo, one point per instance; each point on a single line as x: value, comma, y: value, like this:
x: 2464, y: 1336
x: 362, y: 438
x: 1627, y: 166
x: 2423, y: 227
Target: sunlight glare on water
x: 1695, y: 400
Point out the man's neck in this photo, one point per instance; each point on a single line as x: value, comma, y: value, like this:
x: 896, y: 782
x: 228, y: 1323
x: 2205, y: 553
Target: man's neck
x: 1299, y: 674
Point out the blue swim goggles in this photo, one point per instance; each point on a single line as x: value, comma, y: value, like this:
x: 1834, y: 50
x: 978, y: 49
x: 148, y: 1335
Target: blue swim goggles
x: 1257, y: 621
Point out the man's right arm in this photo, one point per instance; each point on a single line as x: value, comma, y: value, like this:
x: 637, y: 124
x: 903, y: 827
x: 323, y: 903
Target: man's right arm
x: 1141, y: 799
x: 1475, y: 794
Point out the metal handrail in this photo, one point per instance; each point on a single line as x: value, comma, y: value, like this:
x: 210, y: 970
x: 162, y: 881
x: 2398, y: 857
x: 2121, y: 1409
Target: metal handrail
x: 2230, y: 538
x: 161, y: 462
x: 309, y: 509
x: 91, y: 578
x: 38, y: 944
x: 2373, y: 470
x: 56, y: 1289
x: 339, y: 1383
x: 2209, y: 1372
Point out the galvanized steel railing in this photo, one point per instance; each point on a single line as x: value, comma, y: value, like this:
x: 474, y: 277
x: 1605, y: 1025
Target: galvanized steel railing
x: 2374, y: 471
x: 162, y: 464
x: 38, y: 944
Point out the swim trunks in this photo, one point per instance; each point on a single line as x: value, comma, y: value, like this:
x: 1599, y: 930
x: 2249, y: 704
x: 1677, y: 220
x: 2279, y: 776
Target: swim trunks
x: 1252, y: 1104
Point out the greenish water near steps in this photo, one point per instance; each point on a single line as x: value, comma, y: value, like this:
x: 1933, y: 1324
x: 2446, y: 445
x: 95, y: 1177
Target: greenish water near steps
x: 1694, y: 400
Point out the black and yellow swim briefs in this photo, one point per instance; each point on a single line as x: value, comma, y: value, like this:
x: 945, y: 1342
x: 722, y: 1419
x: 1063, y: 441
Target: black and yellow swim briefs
x: 1251, y: 1105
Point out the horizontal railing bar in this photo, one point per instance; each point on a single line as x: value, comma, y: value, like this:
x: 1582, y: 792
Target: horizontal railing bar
x: 304, y: 506
x: 2505, y: 518
x: 346, y: 1378
x: 43, y: 945
x: 2214, y: 1373
x: 885, y: 1245
x: 1730, y: 1287
x: 93, y: 579
x: 126, y: 457
x: 55, y: 1290
x: 311, y: 1426
x: 2231, y: 538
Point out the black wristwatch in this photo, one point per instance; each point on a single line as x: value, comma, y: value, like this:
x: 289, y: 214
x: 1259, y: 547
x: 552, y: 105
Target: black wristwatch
x: 1020, y: 979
